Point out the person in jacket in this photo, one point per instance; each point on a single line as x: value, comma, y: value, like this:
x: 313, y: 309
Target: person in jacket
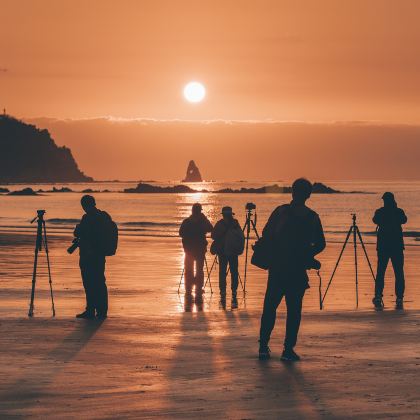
x: 89, y: 234
x: 295, y: 235
x: 390, y: 246
x: 227, y: 256
x: 193, y: 232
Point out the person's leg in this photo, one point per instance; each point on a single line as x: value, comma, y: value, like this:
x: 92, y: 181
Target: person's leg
x: 223, y: 264
x: 383, y: 259
x: 199, y: 273
x: 273, y: 296
x: 234, y: 274
x: 397, y: 260
x: 101, y: 295
x: 294, y: 313
x: 88, y: 285
x: 188, y: 272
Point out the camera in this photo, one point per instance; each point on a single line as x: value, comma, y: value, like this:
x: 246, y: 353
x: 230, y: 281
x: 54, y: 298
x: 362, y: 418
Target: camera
x: 73, y: 246
x: 313, y: 264
x: 40, y: 213
x: 250, y: 206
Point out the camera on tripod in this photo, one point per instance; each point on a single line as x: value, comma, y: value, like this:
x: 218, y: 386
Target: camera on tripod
x: 250, y: 206
x: 73, y: 246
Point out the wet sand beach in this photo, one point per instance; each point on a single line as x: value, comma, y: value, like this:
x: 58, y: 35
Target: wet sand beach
x: 150, y: 358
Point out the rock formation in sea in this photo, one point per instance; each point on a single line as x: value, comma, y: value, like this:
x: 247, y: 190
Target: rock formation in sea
x: 193, y: 173
x: 29, y: 154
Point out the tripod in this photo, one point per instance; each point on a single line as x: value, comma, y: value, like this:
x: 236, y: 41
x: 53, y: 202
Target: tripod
x: 250, y: 222
x: 354, y: 229
x: 41, y: 240
x: 208, y: 277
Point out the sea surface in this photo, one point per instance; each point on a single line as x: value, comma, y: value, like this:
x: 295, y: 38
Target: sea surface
x: 145, y: 274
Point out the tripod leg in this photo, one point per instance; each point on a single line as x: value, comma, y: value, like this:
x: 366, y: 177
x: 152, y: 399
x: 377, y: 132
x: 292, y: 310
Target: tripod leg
x: 365, y: 251
x: 338, y: 261
x: 254, y: 227
x: 319, y: 290
x: 248, y: 228
x: 208, y: 276
x: 49, y: 269
x: 355, y: 266
x: 180, y: 280
x: 211, y: 270
x: 31, y: 305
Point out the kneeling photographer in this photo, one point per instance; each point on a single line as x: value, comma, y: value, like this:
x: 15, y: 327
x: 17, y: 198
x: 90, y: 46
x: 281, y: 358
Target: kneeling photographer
x: 291, y: 238
x: 96, y: 236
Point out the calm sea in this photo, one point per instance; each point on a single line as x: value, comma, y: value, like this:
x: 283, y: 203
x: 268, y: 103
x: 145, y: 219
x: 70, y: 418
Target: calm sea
x: 145, y: 274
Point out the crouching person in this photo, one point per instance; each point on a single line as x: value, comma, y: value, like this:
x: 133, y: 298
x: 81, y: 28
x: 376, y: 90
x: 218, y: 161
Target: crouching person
x: 294, y: 235
x: 96, y: 237
x: 228, y: 244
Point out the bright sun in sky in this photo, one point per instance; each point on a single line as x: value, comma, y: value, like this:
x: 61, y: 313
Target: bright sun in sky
x: 194, y: 92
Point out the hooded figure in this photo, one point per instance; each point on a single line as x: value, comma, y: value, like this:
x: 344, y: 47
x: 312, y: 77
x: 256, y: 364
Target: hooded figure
x: 390, y: 246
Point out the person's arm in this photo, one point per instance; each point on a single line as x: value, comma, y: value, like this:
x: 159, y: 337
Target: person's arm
x: 78, y: 230
x: 218, y: 231
x: 403, y: 216
x: 377, y: 217
x: 209, y: 226
x: 269, y: 227
x: 318, y: 244
x: 182, y: 229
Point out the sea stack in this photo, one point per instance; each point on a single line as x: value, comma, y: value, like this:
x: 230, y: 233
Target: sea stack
x: 193, y: 173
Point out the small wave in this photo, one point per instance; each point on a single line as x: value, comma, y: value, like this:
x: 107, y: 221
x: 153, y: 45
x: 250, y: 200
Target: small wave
x: 149, y: 224
x: 63, y: 221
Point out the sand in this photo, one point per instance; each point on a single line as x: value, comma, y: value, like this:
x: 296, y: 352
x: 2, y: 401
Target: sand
x: 361, y: 365
x: 150, y: 359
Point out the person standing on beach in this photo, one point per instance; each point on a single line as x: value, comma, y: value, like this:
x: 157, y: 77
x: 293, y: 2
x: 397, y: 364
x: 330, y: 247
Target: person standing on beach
x: 294, y: 235
x: 193, y: 232
x: 228, y: 245
x: 390, y: 246
x: 95, y: 234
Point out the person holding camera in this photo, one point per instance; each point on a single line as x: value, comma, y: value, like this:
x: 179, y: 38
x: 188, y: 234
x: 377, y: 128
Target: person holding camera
x: 390, y: 246
x: 96, y: 236
x: 293, y: 235
x: 193, y: 232
x: 228, y: 244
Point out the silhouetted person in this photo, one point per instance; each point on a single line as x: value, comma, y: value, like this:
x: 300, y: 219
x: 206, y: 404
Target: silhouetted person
x: 90, y: 234
x: 228, y: 245
x: 295, y: 234
x: 390, y: 246
x: 193, y: 232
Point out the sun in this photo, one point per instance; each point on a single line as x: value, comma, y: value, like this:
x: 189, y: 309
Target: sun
x: 194, y: 92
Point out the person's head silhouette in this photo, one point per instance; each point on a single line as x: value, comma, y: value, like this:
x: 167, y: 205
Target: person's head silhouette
x: 389, y: 199
x: 88, y: 203
x: 301, y: 190
x: 196, y: 209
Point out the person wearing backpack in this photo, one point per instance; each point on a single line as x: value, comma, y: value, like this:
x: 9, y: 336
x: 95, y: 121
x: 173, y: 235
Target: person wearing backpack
x: 97, y: 237
x: 193, y: 232
x: 294, y: 235
x: 228, y: 244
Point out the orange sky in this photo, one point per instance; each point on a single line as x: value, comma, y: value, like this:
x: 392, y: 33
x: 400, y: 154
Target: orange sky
x: 283, y: 60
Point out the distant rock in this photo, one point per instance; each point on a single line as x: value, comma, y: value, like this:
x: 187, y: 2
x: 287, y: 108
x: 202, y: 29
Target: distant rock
x: 4, y: 190
x: 25, y: 191
x: 29, y: 154
x: 148, y: 189
x: 144, y: 188
x: 61, y: 190
x: 193, y: 173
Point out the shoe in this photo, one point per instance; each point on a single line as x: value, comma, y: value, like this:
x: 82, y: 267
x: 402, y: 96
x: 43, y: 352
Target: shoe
x: 86, y: 315
x: 377, y: 302
x: 234, y: 303
x: 399, y: 303
x: 101, y: 316
x: 289, y: 356
x: 264, y: 352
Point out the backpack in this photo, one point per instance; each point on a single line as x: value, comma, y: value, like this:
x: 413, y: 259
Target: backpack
x: 109, y: 236
x: 234, y: 241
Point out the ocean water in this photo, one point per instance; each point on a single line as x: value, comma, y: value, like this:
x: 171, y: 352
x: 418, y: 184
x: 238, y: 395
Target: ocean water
x: 145, y: 274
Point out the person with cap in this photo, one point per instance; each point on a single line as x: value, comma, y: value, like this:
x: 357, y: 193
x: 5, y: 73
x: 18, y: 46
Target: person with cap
x: 193, y: 232
x: 390, y: 246
x: 228, y: 244
x: 295, y: 236
x: 89, y: 234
